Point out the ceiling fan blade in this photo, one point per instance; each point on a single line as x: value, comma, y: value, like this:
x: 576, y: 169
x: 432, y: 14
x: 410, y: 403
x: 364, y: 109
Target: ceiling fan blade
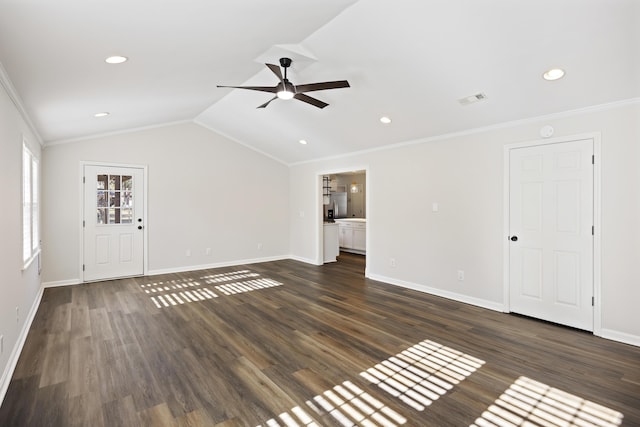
x: 276, y: 71
x: 322, y: 86
x: 271, y: 89
x: 309, y: 100
x: 267, y: 103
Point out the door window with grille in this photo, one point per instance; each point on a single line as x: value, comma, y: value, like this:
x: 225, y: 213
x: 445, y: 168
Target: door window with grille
x: 114, y: 199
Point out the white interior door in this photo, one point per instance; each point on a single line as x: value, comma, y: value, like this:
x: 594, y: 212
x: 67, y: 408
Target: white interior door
x: 551, y: 232
x: 113, y: 222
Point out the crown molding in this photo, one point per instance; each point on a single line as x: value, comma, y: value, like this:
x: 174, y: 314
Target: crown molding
x: 8, y: 86
x: 513, y: 123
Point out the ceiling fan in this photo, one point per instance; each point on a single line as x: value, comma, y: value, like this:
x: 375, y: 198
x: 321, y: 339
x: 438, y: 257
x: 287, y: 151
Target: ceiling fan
x: 287, y: 90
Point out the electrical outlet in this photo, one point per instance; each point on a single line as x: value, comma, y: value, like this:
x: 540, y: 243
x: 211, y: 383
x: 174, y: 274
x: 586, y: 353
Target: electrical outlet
x: 461, y: 275
x: 392, y: 262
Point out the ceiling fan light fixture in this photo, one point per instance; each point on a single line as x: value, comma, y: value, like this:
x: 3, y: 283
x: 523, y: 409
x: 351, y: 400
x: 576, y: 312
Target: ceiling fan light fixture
x: 385, y: 120
x: 303, y: 142
x: 285, y: 94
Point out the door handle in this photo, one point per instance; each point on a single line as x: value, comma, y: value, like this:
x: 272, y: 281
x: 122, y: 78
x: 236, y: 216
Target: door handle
x: 514, y: 238
x: 139, y: 227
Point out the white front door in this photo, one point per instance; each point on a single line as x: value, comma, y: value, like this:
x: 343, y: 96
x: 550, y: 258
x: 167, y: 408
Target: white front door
x: 113, y: 222
x: 551, y: 232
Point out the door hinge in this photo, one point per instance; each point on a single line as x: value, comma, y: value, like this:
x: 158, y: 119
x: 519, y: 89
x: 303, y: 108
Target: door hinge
x: 593, y: 230
x: 593, y: 159
x: 82, y: 267
x: 84, y: 180
x: 593, y: 301
x: 83, y: 223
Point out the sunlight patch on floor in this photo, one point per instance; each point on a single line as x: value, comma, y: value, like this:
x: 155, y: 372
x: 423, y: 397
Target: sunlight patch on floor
x: 182, y: 291
x: 421, y: 374
x: 226, y: 277
x: 417, y: 376
x: 346, y: 403
x: 247, y: 286
x: 531, y: 403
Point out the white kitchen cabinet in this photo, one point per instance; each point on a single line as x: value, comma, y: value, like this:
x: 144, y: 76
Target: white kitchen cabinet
x: 359, y: 238
x: 346, y: 236
x: 331, y: 248
x: 353, y: 234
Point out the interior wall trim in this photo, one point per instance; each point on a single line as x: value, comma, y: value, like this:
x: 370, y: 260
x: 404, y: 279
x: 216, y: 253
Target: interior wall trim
x: 6, y: 83
x: 17, y: 348
x: 622, y: 337
x: 215, y: 265
x: 527, y: 121
x: 478, y: 302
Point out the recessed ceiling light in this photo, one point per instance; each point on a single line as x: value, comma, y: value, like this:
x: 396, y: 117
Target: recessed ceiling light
x: 386, y: 120
x: 303, y: 142
x: 116, y: 59
x: 103, y: 114
x: 553, y: 74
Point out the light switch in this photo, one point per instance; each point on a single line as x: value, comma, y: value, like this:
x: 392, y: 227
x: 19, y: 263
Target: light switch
x: 434, y: 207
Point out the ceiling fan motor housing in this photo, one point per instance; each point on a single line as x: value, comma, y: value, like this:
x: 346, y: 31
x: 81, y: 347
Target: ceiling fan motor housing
x: 285, y: 62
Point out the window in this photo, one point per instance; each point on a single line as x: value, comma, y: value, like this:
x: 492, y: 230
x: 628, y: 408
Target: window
x: 30, y: 208
x: 115, y: 199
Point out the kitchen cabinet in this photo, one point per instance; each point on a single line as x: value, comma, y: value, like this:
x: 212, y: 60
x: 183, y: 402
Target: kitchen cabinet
x: 330, y: 246
x: 359, y: 238
x: 352, y: 235
x: 346, y: 236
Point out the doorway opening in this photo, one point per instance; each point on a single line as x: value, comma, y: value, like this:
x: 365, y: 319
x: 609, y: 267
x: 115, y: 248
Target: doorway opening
x: 343, y: 208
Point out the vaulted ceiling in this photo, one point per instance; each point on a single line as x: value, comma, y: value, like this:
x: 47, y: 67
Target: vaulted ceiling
x: 410, y: 60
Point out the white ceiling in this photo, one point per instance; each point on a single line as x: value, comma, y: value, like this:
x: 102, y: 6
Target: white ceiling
x: 408, y: 59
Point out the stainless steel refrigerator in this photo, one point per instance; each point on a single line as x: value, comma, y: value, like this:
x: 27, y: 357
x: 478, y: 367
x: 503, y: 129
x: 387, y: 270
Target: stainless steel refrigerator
x: 339, y: 204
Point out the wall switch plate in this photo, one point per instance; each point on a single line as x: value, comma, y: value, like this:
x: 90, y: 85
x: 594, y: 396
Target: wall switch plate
x: 392, y: 262
x: 207, y: 251
x: 259, y: 246
x: 434, y: 207
x: 461, y: 275
x: 188, y: 252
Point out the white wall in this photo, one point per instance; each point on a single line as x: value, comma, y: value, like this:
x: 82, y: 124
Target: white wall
x: 464, y: 175
x: 205, y: 191
x: 17, y: 288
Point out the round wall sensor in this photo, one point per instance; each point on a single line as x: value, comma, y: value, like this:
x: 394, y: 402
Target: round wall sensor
x: 546, y: 131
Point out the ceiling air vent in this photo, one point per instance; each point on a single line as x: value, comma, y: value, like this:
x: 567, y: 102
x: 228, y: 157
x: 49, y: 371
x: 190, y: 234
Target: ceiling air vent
x: 473, y: 98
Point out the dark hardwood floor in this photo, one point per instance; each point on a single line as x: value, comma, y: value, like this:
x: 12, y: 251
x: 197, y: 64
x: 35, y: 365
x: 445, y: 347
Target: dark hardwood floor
x: 289, y: 344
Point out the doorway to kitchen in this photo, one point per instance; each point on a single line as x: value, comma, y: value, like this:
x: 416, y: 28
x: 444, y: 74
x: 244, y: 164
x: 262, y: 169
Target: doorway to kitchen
x: 343, y: 212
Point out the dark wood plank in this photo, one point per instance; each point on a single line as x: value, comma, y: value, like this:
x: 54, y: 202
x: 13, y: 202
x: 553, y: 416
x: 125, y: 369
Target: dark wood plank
x: 307, y: 344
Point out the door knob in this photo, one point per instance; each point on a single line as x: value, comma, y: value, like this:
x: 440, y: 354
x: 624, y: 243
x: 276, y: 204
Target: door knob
x: 514, y: 238
x: 139, y: 227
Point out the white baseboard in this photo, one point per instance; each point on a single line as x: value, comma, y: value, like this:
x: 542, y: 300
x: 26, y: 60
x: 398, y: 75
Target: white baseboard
x: 620, y: 337
x: 491, y: 305
x: 17, y: 348
x: 69, y: 282
x: 305, y: 260
x: 215, y: 265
